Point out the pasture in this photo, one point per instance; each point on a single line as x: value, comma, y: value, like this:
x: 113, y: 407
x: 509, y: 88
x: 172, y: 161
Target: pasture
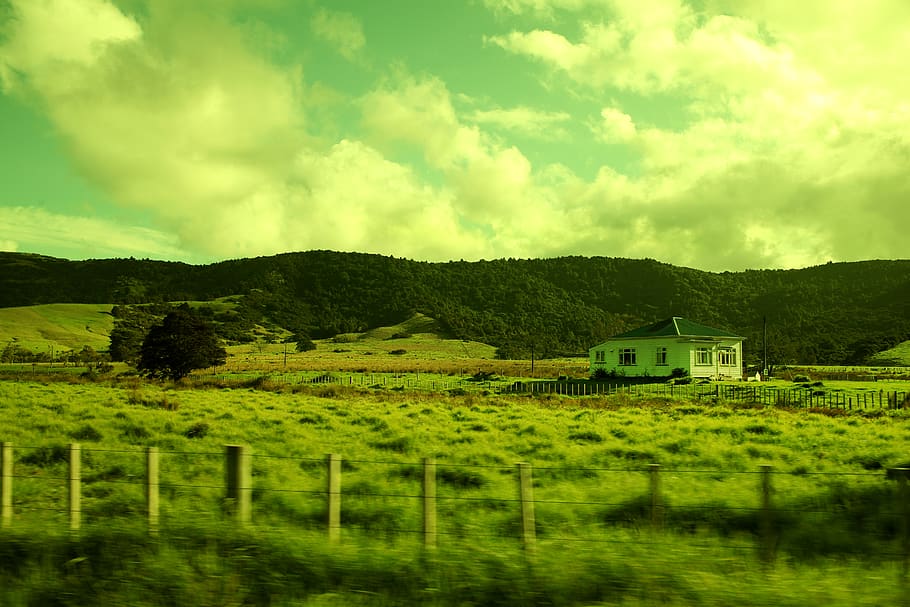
x: 57, y: 327
x: 836, y: 523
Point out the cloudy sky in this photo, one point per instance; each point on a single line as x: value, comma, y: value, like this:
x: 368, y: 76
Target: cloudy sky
x: 716, y: 134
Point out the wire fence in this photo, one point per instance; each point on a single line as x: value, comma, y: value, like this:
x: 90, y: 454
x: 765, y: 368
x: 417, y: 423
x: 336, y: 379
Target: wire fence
x: 760, y: 510
x: 803, y: 395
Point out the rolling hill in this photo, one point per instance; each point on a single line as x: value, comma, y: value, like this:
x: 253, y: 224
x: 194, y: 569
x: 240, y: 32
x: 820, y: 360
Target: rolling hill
x: 837, y: 313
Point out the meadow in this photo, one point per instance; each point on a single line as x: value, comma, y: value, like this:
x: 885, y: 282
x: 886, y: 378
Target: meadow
x: 835, y: 525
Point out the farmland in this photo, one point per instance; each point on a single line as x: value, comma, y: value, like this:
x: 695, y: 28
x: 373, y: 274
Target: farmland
x: 836, y: 517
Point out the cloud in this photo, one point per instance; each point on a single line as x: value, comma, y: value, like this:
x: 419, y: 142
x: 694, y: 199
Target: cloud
x: 343, y: 30
x: 783, y: 136
x: 524, y: 121
x: 40, y: 231
x: 774, y: 155
x: 492, y: 185
x: 615, y: 126
x: 49, y: 41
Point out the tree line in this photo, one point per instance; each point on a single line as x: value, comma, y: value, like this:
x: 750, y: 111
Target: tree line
x: 837, y: 313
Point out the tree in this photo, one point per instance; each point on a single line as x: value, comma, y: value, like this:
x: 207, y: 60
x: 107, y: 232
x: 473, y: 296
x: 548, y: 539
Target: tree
x: 304, y: 343
x: 181, y: 343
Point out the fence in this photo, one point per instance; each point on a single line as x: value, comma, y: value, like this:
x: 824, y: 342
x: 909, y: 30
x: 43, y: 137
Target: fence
x: 785, y: 396
x: 650, y: 509
x: 795, y: 396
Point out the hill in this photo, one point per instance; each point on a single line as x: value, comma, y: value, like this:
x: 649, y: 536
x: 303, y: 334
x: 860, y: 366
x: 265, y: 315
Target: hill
x: 838, y: 313
x: 57, y: 326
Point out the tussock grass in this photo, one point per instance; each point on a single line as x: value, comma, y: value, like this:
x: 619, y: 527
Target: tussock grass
x: 834, y: 509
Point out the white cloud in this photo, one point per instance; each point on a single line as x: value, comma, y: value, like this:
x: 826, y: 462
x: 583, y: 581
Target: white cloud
x: 40, y: 231
x: 343, y: 30
x: 50, y: 40
x: 615, y: 126
x: 524, y: 121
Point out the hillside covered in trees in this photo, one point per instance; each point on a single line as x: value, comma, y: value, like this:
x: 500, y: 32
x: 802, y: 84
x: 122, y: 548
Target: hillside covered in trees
x: 838, y: 313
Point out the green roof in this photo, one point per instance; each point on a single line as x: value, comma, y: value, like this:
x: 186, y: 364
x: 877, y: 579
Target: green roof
x: 676, y: 327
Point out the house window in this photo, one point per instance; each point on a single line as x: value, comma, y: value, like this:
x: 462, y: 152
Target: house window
x: 703, y: 356
x: 599, y: 356
x: 727, y: 357
x: 661, y: 356
x: 627, y: 357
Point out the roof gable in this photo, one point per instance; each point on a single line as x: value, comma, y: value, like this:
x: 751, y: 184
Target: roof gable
x: 676, y: 326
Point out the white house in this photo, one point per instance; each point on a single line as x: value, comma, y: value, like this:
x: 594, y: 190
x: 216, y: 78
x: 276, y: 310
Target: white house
x: 675, y: 343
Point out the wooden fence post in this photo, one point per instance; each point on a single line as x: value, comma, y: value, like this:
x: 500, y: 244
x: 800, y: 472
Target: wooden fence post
x: 656, y: 500
x: 526, y: 495
x: 74, y: 478
x: 334, y: 497
x: 151, y: 488
x: 766, y: 523
x: 901, y: 475
x: 239, y: 482
x: 6, y: 484
x: 429, y: 502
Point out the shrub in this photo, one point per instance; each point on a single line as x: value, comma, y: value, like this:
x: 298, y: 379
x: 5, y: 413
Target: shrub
x: 133, y: 432
x: 197, y: 430
x: 398, y: 352
x: 586, y: 437
x: 87, y: 433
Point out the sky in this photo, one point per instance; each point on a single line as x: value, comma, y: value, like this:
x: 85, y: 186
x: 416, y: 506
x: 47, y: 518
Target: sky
x: 715, y: 134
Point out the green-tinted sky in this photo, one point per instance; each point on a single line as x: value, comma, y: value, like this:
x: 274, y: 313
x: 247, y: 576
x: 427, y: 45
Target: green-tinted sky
x: 718, y: 134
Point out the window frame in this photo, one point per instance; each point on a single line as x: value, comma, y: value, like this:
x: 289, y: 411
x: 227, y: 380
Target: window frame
x: 662, y: 357
x: 729, y: 354
x: 704, y: 357
x: 628, y: 357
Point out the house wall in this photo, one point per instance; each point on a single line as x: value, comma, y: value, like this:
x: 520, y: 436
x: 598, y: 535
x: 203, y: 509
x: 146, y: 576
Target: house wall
x: 681, y: 353
x: 716, y: 369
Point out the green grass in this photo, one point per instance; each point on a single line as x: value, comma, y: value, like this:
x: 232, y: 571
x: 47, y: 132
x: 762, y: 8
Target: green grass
x: 834, y: 524
x: 898, y: 355
x: 58, y: 326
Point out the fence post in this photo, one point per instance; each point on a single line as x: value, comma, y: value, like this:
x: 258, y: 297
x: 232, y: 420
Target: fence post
x: 239, y: 485
x: 901, y: 475
x: 526, y: 496
x: 656, y: 501
x: 151, y: 488
x: 766, y: 540
x: 429, y: 502
x: 6, y: 484
x: 334, y: 497
x: 74, y: 483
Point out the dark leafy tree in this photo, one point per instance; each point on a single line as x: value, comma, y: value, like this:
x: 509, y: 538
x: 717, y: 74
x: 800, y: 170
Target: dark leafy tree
x: 303, y: 343
x: 182, y: 343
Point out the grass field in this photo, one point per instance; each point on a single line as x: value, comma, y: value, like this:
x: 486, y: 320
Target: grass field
x: 58, y: 326
x: 836, y: 520
x: 899, y: 355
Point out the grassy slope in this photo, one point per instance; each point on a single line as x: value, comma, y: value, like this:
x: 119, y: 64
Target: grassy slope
x: 63, y: 326
x: 899, y: 354
x: 589, y: 459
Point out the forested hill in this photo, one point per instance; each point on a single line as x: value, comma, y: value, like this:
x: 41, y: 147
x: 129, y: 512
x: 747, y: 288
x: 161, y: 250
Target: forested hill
x: 838, y: 313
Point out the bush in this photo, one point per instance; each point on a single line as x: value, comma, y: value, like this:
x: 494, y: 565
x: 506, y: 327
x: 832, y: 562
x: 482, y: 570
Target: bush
x: 197, y: 430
